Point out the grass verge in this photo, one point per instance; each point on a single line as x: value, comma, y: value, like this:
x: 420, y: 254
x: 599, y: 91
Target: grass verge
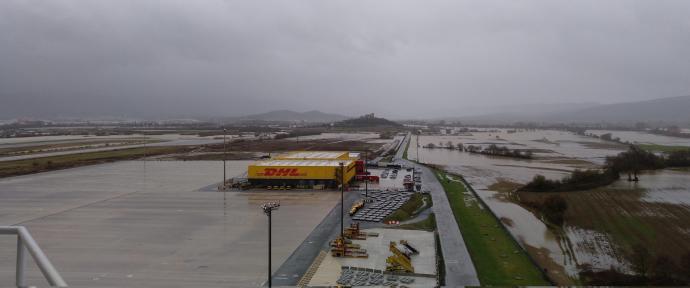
x: 499, y: 260
x: 43, y: 164
x: 428, y: 224
x: 417, y: 203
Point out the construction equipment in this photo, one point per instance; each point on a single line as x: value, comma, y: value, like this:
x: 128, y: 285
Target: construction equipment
x: 401, y: 260
x: 409, y: 247
x: 354, y: 233
x: 341, y: 247
x: 355, y: 207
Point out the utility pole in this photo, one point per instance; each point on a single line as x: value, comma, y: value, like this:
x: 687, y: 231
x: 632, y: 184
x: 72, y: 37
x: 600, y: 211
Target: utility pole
x: 342, y: 199
x: 145, y: 154
x: 145, y: 140
x: 366, y: 174
x: 225, y: 155
x: 268, y: 207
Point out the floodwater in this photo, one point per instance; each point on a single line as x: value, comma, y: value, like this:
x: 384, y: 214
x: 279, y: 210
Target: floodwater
x: 545, y: 144
x: 167, y: 140
x: 150, y: 224
x: 338, y: 136
x: 661, y: 186
x: 643, y: 138
x: 24, y: 141
x: 556, y: 154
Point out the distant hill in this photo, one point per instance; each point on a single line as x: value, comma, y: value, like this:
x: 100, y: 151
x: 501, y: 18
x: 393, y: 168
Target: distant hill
x: 664, y: 110
x: 672, y: 110
x: 368, y: 120
x: 292, y: 116
x: 519, y: 113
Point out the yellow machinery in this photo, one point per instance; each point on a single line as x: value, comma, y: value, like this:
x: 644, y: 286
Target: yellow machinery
x: 355, y: 207
x: 401, y: 260
x: 409, y: 247
x: 341, y: 247
x: 354, y: 233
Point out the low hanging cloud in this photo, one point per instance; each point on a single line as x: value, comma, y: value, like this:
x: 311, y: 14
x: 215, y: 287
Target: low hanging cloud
x: 399, y: 58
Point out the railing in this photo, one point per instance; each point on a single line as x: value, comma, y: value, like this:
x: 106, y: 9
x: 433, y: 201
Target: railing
x: 26, y: 242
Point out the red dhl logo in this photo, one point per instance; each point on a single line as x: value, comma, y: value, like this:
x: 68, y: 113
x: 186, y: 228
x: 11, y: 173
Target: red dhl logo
x: 282, y: 172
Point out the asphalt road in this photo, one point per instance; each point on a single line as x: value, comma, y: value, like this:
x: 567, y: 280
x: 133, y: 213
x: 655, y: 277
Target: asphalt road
x: 460, y: 270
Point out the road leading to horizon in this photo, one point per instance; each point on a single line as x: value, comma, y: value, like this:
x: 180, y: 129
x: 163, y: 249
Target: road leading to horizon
x: 460, y: 270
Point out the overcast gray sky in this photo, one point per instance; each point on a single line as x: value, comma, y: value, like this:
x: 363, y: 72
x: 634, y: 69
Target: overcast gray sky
x: 396, y: 58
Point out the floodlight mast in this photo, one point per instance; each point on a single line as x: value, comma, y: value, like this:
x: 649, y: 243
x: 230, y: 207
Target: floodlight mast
x: 225, y: 155
x: 268, y: 208
x: 342, y: 198
x: 366, y: 175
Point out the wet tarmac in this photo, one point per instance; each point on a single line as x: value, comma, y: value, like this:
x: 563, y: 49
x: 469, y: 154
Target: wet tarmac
x: 146, y: 224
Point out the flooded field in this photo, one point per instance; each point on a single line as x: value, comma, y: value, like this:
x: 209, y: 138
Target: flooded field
x: 556, y: 154
x: 637, y: 137
x: 13, y: 142
x: 45, y: 146
x: 608, y: 221
x: 338, y: 136
x: 153, y: 224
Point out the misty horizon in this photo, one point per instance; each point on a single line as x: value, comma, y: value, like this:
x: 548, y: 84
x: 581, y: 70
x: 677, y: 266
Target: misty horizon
x: 402, y: 59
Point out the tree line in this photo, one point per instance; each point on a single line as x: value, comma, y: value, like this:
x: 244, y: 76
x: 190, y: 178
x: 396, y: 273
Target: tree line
x: 630, y: 163
x: 493, y: 150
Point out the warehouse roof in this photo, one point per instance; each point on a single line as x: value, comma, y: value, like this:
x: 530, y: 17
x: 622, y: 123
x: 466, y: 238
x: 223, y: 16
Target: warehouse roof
x: 321, y: 163
x: 314, y: 155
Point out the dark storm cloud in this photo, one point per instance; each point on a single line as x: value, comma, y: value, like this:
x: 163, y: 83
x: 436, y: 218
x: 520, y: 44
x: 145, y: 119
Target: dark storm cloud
x: 398, y: 58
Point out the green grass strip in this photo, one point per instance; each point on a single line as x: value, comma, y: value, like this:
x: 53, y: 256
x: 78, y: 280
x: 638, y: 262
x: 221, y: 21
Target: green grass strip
x: 662, y: 148
x: 496, y: 256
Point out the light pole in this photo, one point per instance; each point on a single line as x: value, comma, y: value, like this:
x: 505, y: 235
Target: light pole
x: 268, y: 207
x: 366, y: 174
x: 225, y: 155
x: 342, y: 199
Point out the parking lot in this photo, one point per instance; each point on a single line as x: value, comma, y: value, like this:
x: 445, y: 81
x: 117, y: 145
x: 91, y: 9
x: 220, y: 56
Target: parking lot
x: 390, y: 178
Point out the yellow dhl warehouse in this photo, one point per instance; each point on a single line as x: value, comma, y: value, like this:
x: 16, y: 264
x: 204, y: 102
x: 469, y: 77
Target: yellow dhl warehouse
x: 303, y: 169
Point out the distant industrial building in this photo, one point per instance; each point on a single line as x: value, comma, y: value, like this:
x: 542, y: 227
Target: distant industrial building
x: 306, y: 169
